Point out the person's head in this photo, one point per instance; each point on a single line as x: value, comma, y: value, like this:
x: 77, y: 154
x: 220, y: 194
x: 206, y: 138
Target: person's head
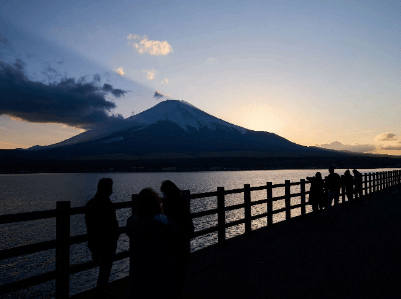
x: 355, y: 171
x: 331, y: 169
x: 347, y: 172
x: 105, y: 186
x: 318, y: 175
x: 148, y: 203
x: 169, y: 189
x: 172, y: 203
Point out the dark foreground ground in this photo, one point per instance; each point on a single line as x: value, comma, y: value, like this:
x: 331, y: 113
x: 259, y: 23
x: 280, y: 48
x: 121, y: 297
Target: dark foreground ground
x: 354, y: 255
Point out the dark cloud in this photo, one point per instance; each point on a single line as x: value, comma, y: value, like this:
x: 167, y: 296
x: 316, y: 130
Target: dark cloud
x: 357, y: 148
x: 73, y: 102
x: 158, y: 95
x: 115, y: 92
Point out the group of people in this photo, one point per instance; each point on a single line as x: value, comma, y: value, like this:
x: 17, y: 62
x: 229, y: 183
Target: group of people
x: 324, y: 192
x: 159, y: 230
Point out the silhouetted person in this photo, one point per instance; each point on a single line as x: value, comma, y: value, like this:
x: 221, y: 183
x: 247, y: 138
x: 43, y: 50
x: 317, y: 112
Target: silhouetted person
x: 316, y: 195
x: 358, y: 184
x: 348, y: 182
x: 102, y: 228
x: 333, y: 184
x: 151, y: 266
x: 180, y: 221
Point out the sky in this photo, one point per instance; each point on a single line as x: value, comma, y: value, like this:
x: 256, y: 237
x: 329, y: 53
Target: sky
x: 319, y: 73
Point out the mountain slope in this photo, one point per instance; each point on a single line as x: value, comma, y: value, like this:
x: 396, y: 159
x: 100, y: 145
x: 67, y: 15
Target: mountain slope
x: 176, y: 127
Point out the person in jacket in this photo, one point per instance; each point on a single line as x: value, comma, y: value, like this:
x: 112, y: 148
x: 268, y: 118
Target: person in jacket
x: 332, y: 184
x: 358, y: 184
x: 316, y: 195
x: 348, y: 182
x: 151, y: 266
x: 102, y: 229
x: 178, y: 214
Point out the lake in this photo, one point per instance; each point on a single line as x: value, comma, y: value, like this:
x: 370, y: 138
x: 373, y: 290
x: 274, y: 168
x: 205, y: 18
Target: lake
x: 34, y: 192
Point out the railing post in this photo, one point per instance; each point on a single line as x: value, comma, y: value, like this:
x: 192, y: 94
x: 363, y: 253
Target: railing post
x: 269, y: 191
x: 393, y: 178
x: 374, y: 181
x: 365, y: 185
x: 247, y: 202
x: 378, y: 181
x: 221, y: 217
x: 63, y: 250
x: 342, y: 189
x: 303, y: 202
x: 370, y: 183
x: 287, y: 200
x: 381, y: 181
x: 186, y: 196
x: 386, y: 179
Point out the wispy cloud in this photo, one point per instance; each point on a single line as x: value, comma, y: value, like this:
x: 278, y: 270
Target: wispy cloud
x: 73, y: 102
x: 357, y: 148
x: 391, y: 147
x: 150, y: 74
x: 386, y: 137
x: 120, y: 71
x: 165, y: 81
x: 152, y: 47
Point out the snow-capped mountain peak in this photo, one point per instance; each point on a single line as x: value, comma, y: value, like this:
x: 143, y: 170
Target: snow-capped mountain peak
x: 184, y: 115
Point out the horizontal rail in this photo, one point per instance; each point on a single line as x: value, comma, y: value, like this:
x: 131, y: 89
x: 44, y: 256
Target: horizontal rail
x: 233, y: 191
x: 27, y: 282
x: 235, y: 222
x: 27, y: 249
x: 203, y: 195
x: 28, y: 216
x: 205, y: 231
x: 203, y: 213
x: 76, y: 268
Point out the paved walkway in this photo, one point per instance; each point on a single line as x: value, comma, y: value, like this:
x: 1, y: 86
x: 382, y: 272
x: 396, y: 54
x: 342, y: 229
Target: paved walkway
x: 354, y: 255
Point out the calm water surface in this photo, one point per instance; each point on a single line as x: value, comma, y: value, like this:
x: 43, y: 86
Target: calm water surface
x: 34, y: 192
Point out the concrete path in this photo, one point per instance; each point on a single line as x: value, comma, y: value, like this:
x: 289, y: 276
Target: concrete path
x: 356, y: 254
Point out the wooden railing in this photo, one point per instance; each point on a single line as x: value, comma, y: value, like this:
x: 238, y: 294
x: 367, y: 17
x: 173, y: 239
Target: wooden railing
x: 372, y: 182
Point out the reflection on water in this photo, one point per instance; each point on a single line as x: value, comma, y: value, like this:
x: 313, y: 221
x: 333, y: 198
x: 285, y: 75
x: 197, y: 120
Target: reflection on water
x: 34, y: 192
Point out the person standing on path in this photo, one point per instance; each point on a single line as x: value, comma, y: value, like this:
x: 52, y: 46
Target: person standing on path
x: 316, y: 194
x: 102, y: 228
x: 358, y: 184
x: 182, y: 228
x: 333, y: 184
x: 348, y: 182
x: 151, y: 265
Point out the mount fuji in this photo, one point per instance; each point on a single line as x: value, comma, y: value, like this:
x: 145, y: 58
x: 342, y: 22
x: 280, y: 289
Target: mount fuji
x: 175, y: 129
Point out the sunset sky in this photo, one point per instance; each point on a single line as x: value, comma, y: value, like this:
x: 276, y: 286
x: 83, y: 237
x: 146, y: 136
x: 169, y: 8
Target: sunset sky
x: 324, y: 73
